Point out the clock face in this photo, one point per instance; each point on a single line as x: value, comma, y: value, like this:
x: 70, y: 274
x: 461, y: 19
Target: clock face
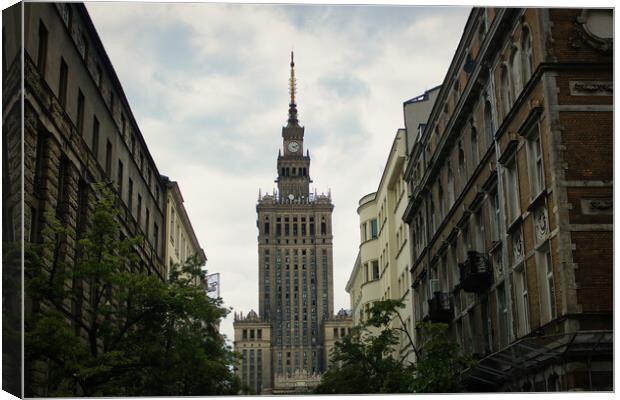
x: 293, y: 147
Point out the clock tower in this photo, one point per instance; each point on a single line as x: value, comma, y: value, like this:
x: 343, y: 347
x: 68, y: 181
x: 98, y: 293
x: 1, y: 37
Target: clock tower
x: 295, y: 269
x: 293, y: 166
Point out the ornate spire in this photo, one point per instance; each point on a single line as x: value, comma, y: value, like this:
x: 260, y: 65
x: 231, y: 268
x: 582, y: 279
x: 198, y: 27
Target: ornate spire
x: 292, y: 107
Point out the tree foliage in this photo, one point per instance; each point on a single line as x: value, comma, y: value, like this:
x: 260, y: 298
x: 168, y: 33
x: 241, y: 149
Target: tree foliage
x: 101, y: 327
x: 365, y: 361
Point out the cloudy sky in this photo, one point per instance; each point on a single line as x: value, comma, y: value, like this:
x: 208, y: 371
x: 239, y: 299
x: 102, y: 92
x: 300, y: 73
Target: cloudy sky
x: 208, y: 85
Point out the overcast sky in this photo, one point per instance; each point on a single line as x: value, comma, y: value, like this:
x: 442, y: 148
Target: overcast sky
x: 208, y: 85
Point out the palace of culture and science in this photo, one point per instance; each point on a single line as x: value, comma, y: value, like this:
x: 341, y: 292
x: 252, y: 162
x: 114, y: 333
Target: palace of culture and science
x: 285, y: 347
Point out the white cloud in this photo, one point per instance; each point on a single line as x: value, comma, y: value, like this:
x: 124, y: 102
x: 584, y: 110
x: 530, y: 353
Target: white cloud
x: 208, y: 86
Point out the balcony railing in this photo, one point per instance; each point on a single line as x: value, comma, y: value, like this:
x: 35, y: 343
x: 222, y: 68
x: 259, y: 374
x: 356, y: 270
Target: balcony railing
x: 476, y: 273
x: 440, y: 307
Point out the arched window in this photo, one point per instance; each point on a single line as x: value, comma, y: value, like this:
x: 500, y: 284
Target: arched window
x: 489, y: 127
x: 515, y: 67
x: 475, y: 156
x: 527, y: 60
x: 451, y: 188
x: 505, y: 92
x: 462, y: 171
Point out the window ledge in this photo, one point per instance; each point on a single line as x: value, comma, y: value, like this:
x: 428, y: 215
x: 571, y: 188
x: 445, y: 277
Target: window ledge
x: 514, y: 224
x: 496, y: 244
x: 537, y: 200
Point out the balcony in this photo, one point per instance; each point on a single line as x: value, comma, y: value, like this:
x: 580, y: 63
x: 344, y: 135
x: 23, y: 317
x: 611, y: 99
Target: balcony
x: 440, y: 308
x: 476, y: 274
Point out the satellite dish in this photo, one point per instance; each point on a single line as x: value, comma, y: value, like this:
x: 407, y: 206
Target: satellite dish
x: 291, y: 197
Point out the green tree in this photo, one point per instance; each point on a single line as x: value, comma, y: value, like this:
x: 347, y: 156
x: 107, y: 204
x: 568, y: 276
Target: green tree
x: 441, y: 361
x: 364, y: 361
x: 135, y: 334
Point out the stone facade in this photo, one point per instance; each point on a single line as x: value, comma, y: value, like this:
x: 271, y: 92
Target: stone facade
x: 253, y: 346
x: 335, y: 329
x: 510, y: 214
x: 78, y: 130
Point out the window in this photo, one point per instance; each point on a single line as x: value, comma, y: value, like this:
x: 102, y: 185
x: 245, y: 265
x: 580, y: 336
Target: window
x: 108, y: 159
x: 69, y: 20
x: 38, y: 163
x: 512, y: 192
x: 505, y: 92
x: 83, y: 47
x: 67, y: 16
x: 487, y: 327
x: 42, y: 53
x: 535, y: 159
x: 465, y: 245
x: 523, y: 304
x: 95, y: 139
x: 462, y: 167
x: 515, y: 66
x: 494, y: 215
x: 119, y: 178
x: 139, y: 211
x: 62, y: 83
x: 123, y: 125
x: 63, y: 186
x: 373, y: 228
x: 364, y: 232
x: 488, y: 121
x: 112, y: 103
x: 80, y: 113
x: 156, y: 237
x: 526, y: 54
x: 266, y: 228
x: 130, y: 195
x: 547, y: 265
x: 475, y: 154
x: 146, y: 225
x: 375, y: 269
x: 503, y: 315
x: 479, y: 231
x: 172, y: 225
x: 244, y: 335
x: 99, y: 75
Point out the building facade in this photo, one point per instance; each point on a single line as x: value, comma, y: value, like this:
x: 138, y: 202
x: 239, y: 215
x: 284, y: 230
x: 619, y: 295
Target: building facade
x: 181, y: 241
x: 334, y: 329
x: 78, y: 131
x: 381, y: 270
x: 510, y: 213
x: 295, y: 263
x: 253, y: 345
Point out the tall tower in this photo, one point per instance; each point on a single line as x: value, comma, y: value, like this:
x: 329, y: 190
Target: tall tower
x: 295, y: 263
